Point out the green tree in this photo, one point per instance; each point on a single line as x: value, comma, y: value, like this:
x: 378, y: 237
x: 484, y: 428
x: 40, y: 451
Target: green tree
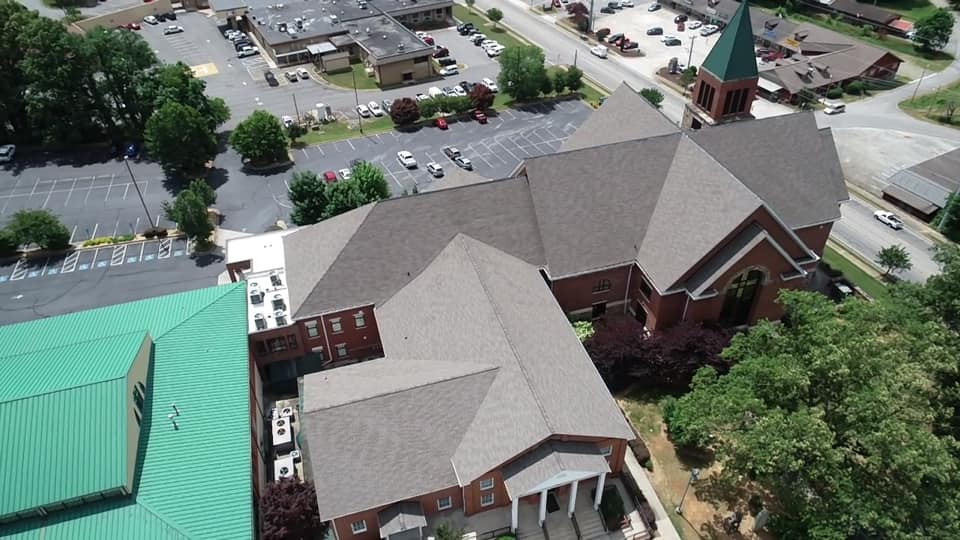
x: 688, y: 75
x: 295, y: 131
x: 831, y: 414
x: 308, y: 194
x: 856, y: 88
x: 934, y: 30
x: 189, y: 211
x: 430, y: 107
x: 558, y: 81
x: 949, y: 223
x: 949, y: 105
x: 204, y: 191
x: 8, y: 244
x: 653, y: 95
x: 574, y: 78
x: 122, y: 61
x: 495, y: 15
x: 445, y: 531
x: 583, y: 329
x: 522, y: 72
x: 404, y: 111
x: 15, y: 124
x: 373, y: 185
x: 40, y: 227
x: 894, y: 258
x: 481, y: 97
x: 940, y: 295
x: 260, y: 139
x: 180, y: 139
x: 176, y: 82
x: 459, y: 104
x: 342, y: 197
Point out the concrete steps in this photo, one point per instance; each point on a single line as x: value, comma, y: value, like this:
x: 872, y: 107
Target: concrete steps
x: 530, y: 533
x: 560, y: 527
x: 590, y: 525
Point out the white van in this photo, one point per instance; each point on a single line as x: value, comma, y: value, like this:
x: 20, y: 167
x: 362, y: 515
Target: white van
x: 834, y: 108
x: 434, y: 91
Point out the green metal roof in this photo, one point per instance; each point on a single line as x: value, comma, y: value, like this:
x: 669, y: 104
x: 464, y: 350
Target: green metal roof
x: 194, y: 482
x: 732, y: 57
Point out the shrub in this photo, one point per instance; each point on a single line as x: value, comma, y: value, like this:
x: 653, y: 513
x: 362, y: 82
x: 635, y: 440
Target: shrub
x: 602, y: 33
x: 611, y: 508
x: 856, y: 88
x: 97, y: 241
x: 8, y: 244
x: 835, y: 93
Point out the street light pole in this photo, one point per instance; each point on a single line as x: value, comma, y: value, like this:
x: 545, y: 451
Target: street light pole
x: 126, y: 161
x: 920, y: 80
x: 690, y: 53
x: 356, y: 99
x: 694, y: 474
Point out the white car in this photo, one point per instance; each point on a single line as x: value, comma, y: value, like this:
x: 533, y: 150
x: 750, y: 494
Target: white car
x: 449, y: 70
x: 248, y: 51
x: 692, y: 25
x: 626, y: 3
x: 406, y: 159
x: 490, y: 84
x: 487, y: 42
x: 363, y: 110
x: 422, y: 97
x: 287, y: 121
x: 345, y: 174
x: 6, y: 153
x: 667, y: 37
x: 434, y: 91
x: 459, y: 91
x: 150, y: 19
x: 435, y: 169
x: 304, y: 74
x: 709, y: 29
x: 599, y: 51
x: 494, y: 50
x: 889, y: 219
x: 172, y: 29
x: 375, y: 108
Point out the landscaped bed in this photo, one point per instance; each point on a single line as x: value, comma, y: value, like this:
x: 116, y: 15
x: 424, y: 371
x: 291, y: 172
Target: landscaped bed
x: 941, y: 106
x: 870, y: 285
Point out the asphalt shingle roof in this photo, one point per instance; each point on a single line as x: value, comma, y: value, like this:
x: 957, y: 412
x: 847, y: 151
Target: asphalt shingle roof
x: 606, y: 125
x: 550, y: 460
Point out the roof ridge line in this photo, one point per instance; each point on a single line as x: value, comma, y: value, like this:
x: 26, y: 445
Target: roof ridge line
x: 506, y: 335
x: 226, y: 291
x: 66, y: 389
x: 605, y: 145
x: 75, y: 343
x: 485, y: 369
x: 162, y: 519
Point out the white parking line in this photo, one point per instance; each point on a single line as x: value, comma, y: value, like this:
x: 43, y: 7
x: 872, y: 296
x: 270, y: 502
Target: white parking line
x: 19, y: 271
x: 107, y: 196
x: 125, y: 190
x: 47, y: 200
x: 507, y: 150
x: 320, y: 149
x: 384, y: 167
x: 72, y: 233
x: 116, y: 227
x: 70, y: 194
x: 492, y: 153
x: 142, y: 245
x: 70, y: 263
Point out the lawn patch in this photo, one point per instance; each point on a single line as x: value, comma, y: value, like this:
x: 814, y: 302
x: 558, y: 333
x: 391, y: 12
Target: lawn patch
x: 338, y: 131
x: 870, y: 285
x: 345, y: 79
x: 935, y: 106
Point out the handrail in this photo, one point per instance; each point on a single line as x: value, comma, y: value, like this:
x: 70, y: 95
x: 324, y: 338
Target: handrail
x: 576, y: 526
x: 546, y: 534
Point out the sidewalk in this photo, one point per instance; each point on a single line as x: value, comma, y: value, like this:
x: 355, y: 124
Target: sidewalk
x: 665, y: 528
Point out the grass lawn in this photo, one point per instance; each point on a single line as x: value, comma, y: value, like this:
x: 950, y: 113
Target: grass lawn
x: 912, y: 10
x: 464, y: 14
x: 871, y: 285
x: 345, y: 79
x: 337, y: 131
x: 930, y: 106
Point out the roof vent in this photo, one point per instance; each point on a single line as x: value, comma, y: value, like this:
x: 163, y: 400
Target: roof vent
x: 400, y: 46
x: 384, y: 36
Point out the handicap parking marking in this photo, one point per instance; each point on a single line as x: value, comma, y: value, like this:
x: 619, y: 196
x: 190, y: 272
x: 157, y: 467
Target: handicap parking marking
x: 3, y: 279
x: 19, y: 271
x: 52, y: 271
x: 164, y: 251
x: 70, y: 263
x: 119, y: 252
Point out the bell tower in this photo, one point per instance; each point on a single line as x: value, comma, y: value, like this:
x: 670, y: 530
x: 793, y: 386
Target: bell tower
x: 726, y: 83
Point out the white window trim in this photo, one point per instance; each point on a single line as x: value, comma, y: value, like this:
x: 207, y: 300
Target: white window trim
x: 482, y: 482
x: 360, y: 318
x: 449, y: 501
x: 482, y: 496
x: 363, y: 527
x: 606, y: 451
x: 339, y: 347
x: 333, y: 325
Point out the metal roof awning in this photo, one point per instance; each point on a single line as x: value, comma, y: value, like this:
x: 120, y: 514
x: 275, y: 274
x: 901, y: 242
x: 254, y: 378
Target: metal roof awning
x: 321, y: 48
x: 914, y: 201
x: 768, y: 85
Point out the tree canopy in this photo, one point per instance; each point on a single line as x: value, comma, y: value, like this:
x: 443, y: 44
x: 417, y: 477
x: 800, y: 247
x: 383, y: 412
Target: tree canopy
x: 404, y: 111
x: 180, y: 138
x: 289, y: 511
x: 933, y: 31
x: 260, y: 139
x: 836, y: 414
x: 653, y: 96
x: 522, y: 72
x: 40, y: 227
x: 314, y: 200
x: 894, y: 258
x: 189, y: 210
x: 495, y: 15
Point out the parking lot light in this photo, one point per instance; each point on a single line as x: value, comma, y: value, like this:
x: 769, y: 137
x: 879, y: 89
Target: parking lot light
x: 356, y: 99
x: 126, y: 161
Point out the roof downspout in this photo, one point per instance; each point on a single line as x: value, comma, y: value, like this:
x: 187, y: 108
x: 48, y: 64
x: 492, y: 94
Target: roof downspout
x: 326, y: 338
x: 626, y: 293
x: 686, y: 304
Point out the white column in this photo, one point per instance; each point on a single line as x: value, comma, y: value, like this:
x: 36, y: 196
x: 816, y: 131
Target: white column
x: 543, y: 507
x: 514, y: 513
x: 573, y: 498
x: 596, y: 500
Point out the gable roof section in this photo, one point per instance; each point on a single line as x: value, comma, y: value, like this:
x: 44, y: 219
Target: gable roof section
x: 502, y: 312
x: 391, y: 446
x: 65, y: 413
x: 732, y: 58
x: 785, y: 161
x: 606, y: 125
x: 578, y: 195
x: 200, y: 362
x: 550, y: 460
x: 700, y: 204
x: 399, y: 237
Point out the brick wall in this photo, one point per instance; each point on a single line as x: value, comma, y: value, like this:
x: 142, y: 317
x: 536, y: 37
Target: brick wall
x: 429, y: 501
x: 582, y: 292
x: 815, y: 237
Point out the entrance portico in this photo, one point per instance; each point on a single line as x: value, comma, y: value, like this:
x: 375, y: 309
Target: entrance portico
x: 554, y: 465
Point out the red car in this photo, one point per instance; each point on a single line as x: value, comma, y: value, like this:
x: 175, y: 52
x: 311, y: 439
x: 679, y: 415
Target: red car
x: 330, y: 177
x: 133, y: 26
x: 428, y: 40
x: 479, y: 116
x: 441, y: 123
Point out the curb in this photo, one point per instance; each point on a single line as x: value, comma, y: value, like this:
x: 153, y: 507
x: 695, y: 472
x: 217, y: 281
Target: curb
x: 860, y: 261
x: 32, y: 253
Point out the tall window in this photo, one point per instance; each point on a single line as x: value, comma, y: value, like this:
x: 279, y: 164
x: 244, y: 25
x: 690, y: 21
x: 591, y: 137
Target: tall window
x: 341, y: 350
x: 602, y: 285
x: 486, y: 499
x: 360, y: 321
x: 444, y: 503
x: 739, y: 298
x: 312, y: 330
x: 336, y: 326
x: 358, y: 527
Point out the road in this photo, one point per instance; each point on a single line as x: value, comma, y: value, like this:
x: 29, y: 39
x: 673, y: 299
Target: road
x: 860, y: 232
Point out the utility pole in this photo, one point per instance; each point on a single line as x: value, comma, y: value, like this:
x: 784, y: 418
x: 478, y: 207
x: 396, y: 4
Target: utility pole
x: 590, y: 19
x: 693, y: 38
x: 295, y: 108
x: 131, y: 150
x: 356, y: 99
x: 575, y: 51
x: 920, y: 80
x: 694, y: 474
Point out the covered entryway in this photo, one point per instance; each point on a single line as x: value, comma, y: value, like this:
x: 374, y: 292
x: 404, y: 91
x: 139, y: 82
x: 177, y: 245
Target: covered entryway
x: 558, y: 466
x: 402, y: 521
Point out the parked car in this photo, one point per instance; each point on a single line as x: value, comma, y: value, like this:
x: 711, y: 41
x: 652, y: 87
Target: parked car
x: 172, y: 15
x: 626, y: 3
x: 463, y: 162
x: 459, y: 91
x: 291, y: 76
x: 434, y: 91
x: 466, y: 30
x: 248, y: 51
x: 428, y: 39
x: 287, y: 121
x: 448, y: 91
x: 494, y: 50
x: 271, y: 78
x: 835, y: 107
x: 150, y: 19
x: 655, y: 31
x: 477, y: 39
x: 667, y: 38
x: 889, y: 219
x: 479, y: 116
x: 490, y: 84
x: 387, y: 105
x: 607, y: 10
x: 629, y: 45
x: 230, y: 32
x: 464, y: 26
x: 599, y: 51
x: 709, y: 29
x: 172, y: 29
x: 614, y: 37
x: 242, y: 44
x: 238, y: 36
x: 672, y: 42
x: 467, y: 86
x: 653, y: 7
x: 7, y: 152
x: 447, y: 61
x: 329, y: 177
x: 449, y: 70
x: 303, y: 74
x: 451, y: 151
x: 693, y: 25
x: 422, y: 97
x: 162, y: 17
x: 441, y: 123
x: 435, y: 169
x: 614, y: 5
x: 375, y: 108
x: 680, y: 18
x: 132, y: 26
x: 363, y: 110
x: 442, y: 52
x: 345, y: 174
x: 406, y: 159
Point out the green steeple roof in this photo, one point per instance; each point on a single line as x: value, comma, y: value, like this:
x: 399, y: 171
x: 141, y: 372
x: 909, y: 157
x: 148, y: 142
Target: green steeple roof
x: 733, y: 57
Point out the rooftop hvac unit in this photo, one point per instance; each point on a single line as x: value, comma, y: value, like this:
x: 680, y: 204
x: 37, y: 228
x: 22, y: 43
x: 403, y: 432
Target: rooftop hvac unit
x: 400, y: 46
x: 286, y: 412
x: 275, y: 280
x: 259, y: 321
x: 284, y: 467
x: 295, y: 455
x: 278, y: 301
x: 281, y: 27
x: 334, y: 19
x: 282, y: 433
x: 256, y: 296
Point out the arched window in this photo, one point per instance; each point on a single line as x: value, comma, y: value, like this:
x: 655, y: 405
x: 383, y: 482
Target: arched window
x: 739, y: 298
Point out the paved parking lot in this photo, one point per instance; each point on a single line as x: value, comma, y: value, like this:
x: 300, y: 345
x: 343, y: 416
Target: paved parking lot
x: 495, y: 148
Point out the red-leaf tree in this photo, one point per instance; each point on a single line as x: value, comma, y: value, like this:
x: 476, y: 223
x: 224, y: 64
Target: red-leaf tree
x: 404, y: 111
x: 577, y: 9
x: 289, y: 511
x: 481, y: 97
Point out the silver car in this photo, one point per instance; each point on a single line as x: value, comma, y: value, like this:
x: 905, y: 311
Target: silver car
x: 7, y: 152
